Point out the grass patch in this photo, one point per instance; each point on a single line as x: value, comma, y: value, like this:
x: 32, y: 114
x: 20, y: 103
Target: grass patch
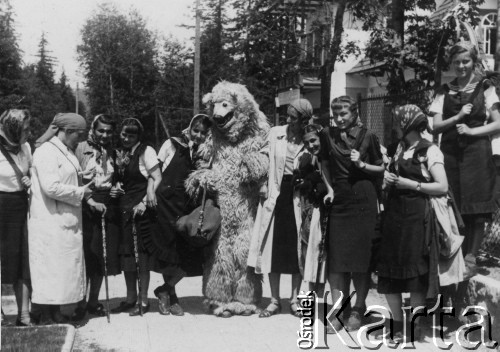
x: 38, y: 338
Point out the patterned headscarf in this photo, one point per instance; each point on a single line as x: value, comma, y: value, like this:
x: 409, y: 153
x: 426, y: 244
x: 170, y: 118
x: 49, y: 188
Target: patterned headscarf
x: 11, y: 129
x: 409, y: 117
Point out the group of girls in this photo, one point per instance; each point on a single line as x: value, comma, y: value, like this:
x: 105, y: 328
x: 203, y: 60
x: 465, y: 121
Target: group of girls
x: 81, y: 190
x: 403, y: 250
x: 142, y: 196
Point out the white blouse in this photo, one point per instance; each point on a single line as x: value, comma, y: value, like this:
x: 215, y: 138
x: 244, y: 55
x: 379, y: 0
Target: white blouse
x: 8, y: 179
x: 147, y: 161
x: 434, y: 156
x: 490, y: 97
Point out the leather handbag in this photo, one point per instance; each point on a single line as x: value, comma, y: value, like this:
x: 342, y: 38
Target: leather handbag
x: 199, y: 227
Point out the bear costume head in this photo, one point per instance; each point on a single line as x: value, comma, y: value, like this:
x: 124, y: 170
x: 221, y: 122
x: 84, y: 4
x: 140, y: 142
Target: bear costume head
x: 234, y: 112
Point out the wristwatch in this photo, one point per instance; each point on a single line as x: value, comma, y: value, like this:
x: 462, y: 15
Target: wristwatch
x: 363, y: 166
x: 419, y: 186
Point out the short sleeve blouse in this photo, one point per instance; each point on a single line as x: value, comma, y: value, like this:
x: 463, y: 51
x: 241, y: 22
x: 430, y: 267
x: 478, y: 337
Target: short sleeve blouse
x: 8, y: 179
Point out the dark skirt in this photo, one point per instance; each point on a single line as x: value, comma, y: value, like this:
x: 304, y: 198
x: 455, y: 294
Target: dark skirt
x: 353, y: 219
x: 284, y: 251
x: 404, y: 250
x: 169, y: 249
x: 92, y: 236
x: 143, y: 229
x: 471, y: 175
x: 13, y: 236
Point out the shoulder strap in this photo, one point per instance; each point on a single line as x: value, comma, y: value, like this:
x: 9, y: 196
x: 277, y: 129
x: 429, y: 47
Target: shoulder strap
x: 66, y: 156
x: 17, y: 171
x: 476, y: 90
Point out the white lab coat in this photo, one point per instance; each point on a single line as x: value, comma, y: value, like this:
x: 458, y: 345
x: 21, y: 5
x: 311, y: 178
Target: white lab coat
x: 55, y: 226
x: 260, y: 253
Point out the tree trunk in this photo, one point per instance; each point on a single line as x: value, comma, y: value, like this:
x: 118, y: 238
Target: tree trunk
x: 398, y: 19
x: 497, y: 51
x: 333, y: 52
x: 111, y: 93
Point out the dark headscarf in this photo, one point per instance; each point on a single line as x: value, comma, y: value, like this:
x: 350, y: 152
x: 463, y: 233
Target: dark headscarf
x: 62, y: 121
x: 11, y: 129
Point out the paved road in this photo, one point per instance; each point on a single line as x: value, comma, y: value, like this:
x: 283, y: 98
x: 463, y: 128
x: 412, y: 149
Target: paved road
x: 198, y: 330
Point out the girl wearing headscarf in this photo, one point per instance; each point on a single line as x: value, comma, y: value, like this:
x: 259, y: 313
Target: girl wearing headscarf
x: 460, y: 110
x: 275, y: 246
x: 14, y: 183
x: 55, y: 221
x: 96, y: 157
x: 352, y: 163
x: 175, y: 258
x: 415, y: 172
x: 136, y: 163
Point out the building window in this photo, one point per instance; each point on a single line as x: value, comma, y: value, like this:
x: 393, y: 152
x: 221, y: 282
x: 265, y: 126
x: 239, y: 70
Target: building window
x: 490, y: 33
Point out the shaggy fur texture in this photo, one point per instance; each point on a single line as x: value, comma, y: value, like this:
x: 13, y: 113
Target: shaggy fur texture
x: 239, y: 132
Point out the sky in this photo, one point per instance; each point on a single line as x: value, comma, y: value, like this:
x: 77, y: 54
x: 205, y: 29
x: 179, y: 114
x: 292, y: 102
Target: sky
x: 62, y: 20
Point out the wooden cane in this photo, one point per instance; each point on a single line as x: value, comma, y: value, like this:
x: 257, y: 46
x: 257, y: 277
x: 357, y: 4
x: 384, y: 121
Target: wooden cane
x: 136, y: 254
x: 105, y: 256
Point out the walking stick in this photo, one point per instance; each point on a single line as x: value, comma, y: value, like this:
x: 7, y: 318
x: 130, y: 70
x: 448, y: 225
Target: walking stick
x: 105, y: 256
x: 136, y: 254
x: 321, y: 255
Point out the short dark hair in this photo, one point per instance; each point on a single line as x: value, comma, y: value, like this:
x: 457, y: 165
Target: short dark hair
x: 133, y: 126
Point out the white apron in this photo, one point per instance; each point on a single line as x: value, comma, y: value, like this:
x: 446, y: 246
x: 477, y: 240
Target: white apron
x: 55, y: 226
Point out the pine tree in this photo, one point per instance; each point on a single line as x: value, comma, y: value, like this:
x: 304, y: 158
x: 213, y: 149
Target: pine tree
x: 10, y: 60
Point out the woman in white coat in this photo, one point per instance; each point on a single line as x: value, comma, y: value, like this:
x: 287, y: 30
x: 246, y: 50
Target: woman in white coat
x: 55, y: 220
x: 275, y: 247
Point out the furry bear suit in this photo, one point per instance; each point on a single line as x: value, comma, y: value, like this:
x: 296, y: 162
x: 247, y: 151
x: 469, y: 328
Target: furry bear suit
x: 239, y: 130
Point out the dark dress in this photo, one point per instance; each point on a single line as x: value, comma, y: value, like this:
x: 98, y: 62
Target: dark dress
x: 92, y: 225
x: 354, y: 210
x: 92, y: 236
x: 170, y: 250
x: 135, y: 186
x: 468, y: 159
x: 13, y: 236
x: 285, y: 258
x: 404, y: 254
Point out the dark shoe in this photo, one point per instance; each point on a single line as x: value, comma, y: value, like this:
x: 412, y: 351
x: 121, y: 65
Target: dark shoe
x: 272, y: 309
x: 355, y: 319
x: 27, y: 324
x: 137, y: 310
x: 163, y: 302
x: 98, y: 310
x: 294, y: 310
x: 78, y: 314
x: 123, y: 307
x: 59, y: 318
x: 176, y: 310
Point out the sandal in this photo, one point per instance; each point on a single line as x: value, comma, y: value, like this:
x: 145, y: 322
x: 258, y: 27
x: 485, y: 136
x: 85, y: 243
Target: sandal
x: 294, y: 309
x: 272, y: 309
